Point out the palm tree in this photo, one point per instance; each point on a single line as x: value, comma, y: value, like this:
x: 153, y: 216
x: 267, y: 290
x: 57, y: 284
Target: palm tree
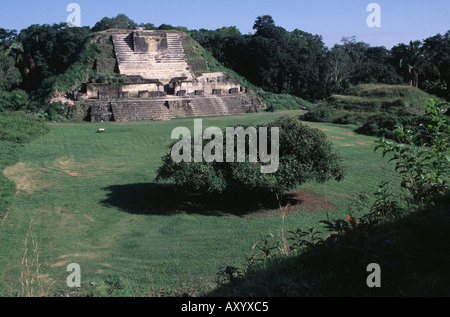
x: 415, y: 60
x: 16, y: 51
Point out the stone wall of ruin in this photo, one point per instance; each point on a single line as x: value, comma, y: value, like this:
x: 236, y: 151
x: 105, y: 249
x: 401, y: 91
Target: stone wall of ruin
x: 166, y: 109
x: 208, y: 83
x: 104, y: 91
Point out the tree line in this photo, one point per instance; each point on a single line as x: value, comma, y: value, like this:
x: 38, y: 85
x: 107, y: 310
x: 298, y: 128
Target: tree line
x: 277, y: 60
x: 300, y: 64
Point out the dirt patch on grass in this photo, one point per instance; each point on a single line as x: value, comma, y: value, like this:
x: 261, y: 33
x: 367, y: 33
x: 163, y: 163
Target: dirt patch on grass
x: 65, y: 162
x: 360, y: 143
x: 90, y: 255
x: 302, y: 201
x: 75, y: 174
x: 4, y: 219
x: 89, y: 218
x: 26, y: 178
x: 336, y: 137
x: 70, y: 167
x: 71, y: 257
x: 59, y: 264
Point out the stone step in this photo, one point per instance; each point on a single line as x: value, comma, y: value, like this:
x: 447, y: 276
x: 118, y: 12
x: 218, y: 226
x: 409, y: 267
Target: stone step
x: 158, y: 110
x: 218, y: 106
x: 141, y: 111
x: 169, y: 60
x: 151, y: 65
x: 209, y: 107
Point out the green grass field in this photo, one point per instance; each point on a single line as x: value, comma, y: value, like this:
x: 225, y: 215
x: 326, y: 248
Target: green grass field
x: 91, y: 199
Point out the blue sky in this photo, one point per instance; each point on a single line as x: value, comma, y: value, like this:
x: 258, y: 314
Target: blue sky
x: 401, y: 20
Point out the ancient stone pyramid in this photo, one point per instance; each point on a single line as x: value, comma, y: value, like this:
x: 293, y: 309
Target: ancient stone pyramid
x: 161, y: 83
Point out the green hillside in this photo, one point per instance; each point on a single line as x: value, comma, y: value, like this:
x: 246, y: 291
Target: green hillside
x: 374, y: 98
x: 374, y: 109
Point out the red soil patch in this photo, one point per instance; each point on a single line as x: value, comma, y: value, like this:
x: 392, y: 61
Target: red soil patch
x: 301, y: 201
x: 337, y: 137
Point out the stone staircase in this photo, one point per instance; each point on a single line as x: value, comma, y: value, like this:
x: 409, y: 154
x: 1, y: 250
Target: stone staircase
x: 141, y: 111
x: 217, y: 106
x: 175, y: 51
x: 211, y: 106
x: 165, y: 109
x: 151, y: 65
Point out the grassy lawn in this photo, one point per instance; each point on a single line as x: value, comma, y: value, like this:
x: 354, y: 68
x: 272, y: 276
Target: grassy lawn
x: 91, y: 199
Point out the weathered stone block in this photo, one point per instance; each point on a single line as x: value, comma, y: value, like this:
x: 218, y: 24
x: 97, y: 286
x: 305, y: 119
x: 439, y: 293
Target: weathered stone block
x: 143, y: 94
x: 140, y: 45
x: 101, y: 112
x: 161, y: 94
x: 82, y: 96
x: 123, y: 94
x: 103, y: 95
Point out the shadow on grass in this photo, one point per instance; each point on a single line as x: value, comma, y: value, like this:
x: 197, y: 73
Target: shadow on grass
x: 413, y: 252
x: 164, y: 199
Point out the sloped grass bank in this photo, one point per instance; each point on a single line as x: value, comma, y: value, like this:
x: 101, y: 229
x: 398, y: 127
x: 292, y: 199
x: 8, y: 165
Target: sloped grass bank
x: 374, y: 109
x: 412, y: 252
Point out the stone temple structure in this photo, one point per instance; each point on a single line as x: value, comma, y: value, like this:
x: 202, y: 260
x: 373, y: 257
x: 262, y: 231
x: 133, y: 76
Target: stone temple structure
x: 160, y: 75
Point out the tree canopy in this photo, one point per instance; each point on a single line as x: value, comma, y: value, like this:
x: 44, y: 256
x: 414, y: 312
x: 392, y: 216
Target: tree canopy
x: 121, y: 21
x: 305, y: 155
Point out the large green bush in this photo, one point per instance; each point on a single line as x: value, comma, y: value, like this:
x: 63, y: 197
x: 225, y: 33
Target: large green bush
x: 305, y: 154
x: 13, y: 100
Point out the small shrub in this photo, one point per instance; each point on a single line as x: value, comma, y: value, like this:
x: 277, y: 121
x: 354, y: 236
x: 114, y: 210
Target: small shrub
x: 350, y: 118
x: 321, y: 114
x: 422, y: 156
x: 385, y: 206
x: 228, y: 276
x: 14, y: 100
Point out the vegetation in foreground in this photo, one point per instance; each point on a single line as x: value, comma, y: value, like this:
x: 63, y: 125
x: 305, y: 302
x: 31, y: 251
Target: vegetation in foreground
x: 410, y: 244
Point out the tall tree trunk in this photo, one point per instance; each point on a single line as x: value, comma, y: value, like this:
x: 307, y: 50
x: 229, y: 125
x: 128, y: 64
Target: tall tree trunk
x: 416, y: 77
